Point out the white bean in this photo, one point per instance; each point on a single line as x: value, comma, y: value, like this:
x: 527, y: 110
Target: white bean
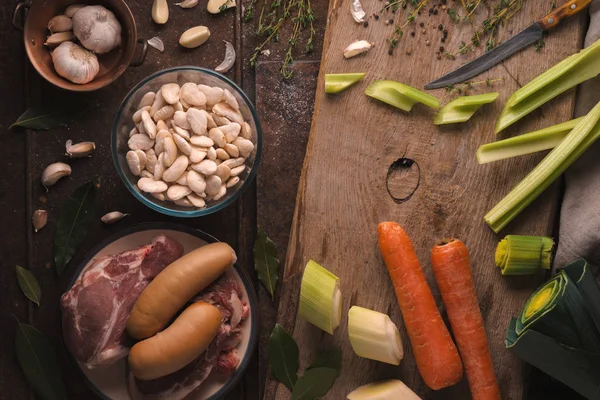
x: 146, y: 174
x: 223, y: 172
x: 147, y: 100
x: 181, y: 132
x: 161, y: 125
x: 196, y: 200
x: 231, y: 131
x: 149, y: 125
x: 197, y: 120
x: 197, y: 154
x: 238, y: 170
x: 202, y: 141
x: 151, y: 186
x: 133, y: 131
x: 213, y: 94
x: 159, y: 146
x: 222, y: 191
x: 182, y: 145
x: 213, y: 185
x: 211, y: 122
x: 225, y: 110
x: 206, y: 167
x: 180, y: 119
x: 234, y: 162
x: 184, y: 203
x: 217, y: 136
x: 172, y: 173
x: 176, y: 192
x: 137, y: 116
x: 246, y: 131
x: 164, y: 113
x: 196, y: 181
x: 133, y: 162
x: 192, y: 95
x: 159, y: 102
x: 159, y: 167
x: 151, y: 160
x: 178, y: 106
x: 230, y: 99
x: 222, y: 154
x: 170, y: 92
x: 170, y: 152
x: 142, y: 157
x: 232, y: 181
x: 211, y: 153
x: 220, y: 121
x: 182, y: 180
x: 140, y: 142
x: 231, y: 150
x: 159, y: 196
x: 245, y: 146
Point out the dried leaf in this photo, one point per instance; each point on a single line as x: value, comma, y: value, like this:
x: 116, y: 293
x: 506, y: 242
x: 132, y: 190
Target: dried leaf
x: 266, y: 262
x: 29, y: 285
x: 76, y: 213
x: 314, y: 383
x: 38, y: 361
x: 42, y: 117
x: 330, y: 358
x: 157, y: 43
x: 283, y: 357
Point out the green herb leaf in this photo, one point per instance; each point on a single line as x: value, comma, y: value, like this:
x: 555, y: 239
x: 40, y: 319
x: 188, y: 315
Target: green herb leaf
x: 76, y: 214
x: 29, y: 285
x: 266, y: 262
x: 42, y: 117
x: 283, y: 357
x: 314, y: 383
x: 38, y: 361
x: 330, y: 358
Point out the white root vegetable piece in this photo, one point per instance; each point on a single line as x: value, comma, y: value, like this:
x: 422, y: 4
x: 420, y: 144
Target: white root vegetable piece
x: 194, y: 37
x: 173, y: 173
x: 192, y: 95
x: 320, y: 297
x: 373, y: 335
x: 157, y: 43
x: 356, y: 48
x: 197, y: 120
x: 357, y: 11
x: 391, y: 389
x: 168, y: 293
x: 187, y: 3
x: 160, y: 11
x: 151, y: 186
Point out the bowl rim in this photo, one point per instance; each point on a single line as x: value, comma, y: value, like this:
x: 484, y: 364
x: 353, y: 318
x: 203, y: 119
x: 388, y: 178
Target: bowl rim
x: 244, y: 277
x: 203, y: 211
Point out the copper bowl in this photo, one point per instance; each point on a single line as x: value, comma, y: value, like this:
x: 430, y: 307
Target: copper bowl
x: 112, y: 64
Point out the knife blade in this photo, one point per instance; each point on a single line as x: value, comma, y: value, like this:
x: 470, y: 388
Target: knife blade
x: 511, y: 46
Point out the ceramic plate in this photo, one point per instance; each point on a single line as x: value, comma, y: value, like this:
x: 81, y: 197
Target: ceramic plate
x: 110, y: 382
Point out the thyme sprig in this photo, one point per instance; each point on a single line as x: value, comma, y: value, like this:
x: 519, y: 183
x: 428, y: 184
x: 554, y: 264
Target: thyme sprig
x: 464, y: 87
x: 399, y: 29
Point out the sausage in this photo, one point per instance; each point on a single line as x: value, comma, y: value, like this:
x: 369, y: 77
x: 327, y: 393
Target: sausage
x: 178, y: 345
x: 176, y: 285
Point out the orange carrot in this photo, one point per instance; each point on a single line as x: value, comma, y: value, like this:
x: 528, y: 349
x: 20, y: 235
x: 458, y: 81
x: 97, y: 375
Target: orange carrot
x: 452, y: 269
x: 436, y: 355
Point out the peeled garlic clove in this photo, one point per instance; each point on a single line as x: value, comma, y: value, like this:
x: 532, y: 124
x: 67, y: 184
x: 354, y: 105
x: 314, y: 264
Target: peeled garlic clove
x: 113, y: 217
x: 60, y: 23
x: 54, y: 172
x: 39, y: 218
x: 356, y: 48
x: 357, y: 11
x: 160, y: 11
x: 194, y: 37
x: 229, y: 59
x: 216, y: 6
x: 75, y: 63
x: 97, y: 29
x: 187, y: 3
x: 157, y: 43
x: 57, y: 38
x: 72, y: 9
x: 80, y: 149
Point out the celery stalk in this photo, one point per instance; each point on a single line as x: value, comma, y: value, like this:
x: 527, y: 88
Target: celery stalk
x: 566, y: 74
x: 583, y: 135
x: 335, y: 83
x: 399, y: 95
x: 543, y: 139
x: 463, y: 108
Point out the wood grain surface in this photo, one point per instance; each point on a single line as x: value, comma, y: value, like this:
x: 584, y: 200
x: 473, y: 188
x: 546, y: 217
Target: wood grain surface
x: 342, y: 194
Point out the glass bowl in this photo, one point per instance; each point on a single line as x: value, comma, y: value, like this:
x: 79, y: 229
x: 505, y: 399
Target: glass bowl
x: 123, y: 124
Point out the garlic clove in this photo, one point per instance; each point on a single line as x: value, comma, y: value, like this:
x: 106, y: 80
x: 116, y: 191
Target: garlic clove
x: 80, y: 149
x: 60, y: 23
x: 113, y: 217
x: 216, y: 6
x: 160, y: 11
x: 187, y: 3
x: 97, y: 29
x: 75, y: 63
x: 57, y: 38
x: 356, y: 48
x: 39, y: 218
x: 72, y: 9
x: 194, y: 37
x: 229, y: 59
x: 357, y: 11
x: 157, y: 43
x: 54, y: 172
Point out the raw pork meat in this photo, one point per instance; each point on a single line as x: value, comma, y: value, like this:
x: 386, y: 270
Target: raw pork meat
x: 95, y: 309
x: 221, y: 355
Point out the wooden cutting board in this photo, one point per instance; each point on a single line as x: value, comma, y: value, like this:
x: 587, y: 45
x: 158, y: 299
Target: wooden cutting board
x: 342, y: 194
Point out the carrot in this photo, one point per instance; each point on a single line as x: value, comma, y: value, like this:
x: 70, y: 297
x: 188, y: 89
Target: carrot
x: 436, y: 355
x: 452, y: 269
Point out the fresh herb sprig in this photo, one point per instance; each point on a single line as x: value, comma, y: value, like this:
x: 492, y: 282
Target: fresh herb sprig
x: 464, y: 87
x: 399, y: 29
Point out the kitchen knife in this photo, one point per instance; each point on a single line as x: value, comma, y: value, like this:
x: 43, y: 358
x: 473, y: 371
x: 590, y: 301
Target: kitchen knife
x: 510, y: 47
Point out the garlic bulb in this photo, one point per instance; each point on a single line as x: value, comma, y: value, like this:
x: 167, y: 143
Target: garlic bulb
x: 97, y: 29
x: 75, y: 63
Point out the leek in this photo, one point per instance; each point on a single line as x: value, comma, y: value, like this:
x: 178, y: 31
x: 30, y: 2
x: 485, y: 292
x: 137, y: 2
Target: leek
x: 320, y: 297
x: 558, y: 330
x: 463, y: 108
x: 524, y: 255
x: 566, y: 74
x: 399, y: 95
x: 583, y: 135
x: 543, y: 139
x: 392, y: 389
x: 335, y: 83
x: 373, y: 335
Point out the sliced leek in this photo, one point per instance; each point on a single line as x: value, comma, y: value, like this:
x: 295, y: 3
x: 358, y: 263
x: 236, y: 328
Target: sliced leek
x: 373, y: 335
x: 558, y: 330
x: 335, y: 83
x: 399, y: 95
x: 583, y: 135
x: 463, y: 108
x: 524, y: 255
x: 566, y: 74
x: 391, y: 389
x: 543, y: 139
x: 320, y: 297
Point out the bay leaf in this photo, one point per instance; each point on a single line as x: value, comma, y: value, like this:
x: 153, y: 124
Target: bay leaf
x: 43, y: 117
x: 29, y: 285
x: 38, y: 362
x: 314, y: 383
x: 266, y: 262
x: 330, y: 358
x: 283, y: 357
x: 76, y: 214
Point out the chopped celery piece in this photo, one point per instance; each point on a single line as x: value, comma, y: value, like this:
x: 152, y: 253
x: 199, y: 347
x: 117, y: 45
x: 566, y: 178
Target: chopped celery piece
x: 399, y: 95
x: 583, y: 135
x: 543, y: 139
x: 373, y: 335
x: 524, y: 255
x: 566, y: 74
x: 335, y: 83
x: 320, y: 297
x: 391, y: 389
x: 463, y: 108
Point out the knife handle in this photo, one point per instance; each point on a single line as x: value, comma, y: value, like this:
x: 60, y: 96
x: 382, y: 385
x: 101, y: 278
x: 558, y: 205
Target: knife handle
x: 569, y: 9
